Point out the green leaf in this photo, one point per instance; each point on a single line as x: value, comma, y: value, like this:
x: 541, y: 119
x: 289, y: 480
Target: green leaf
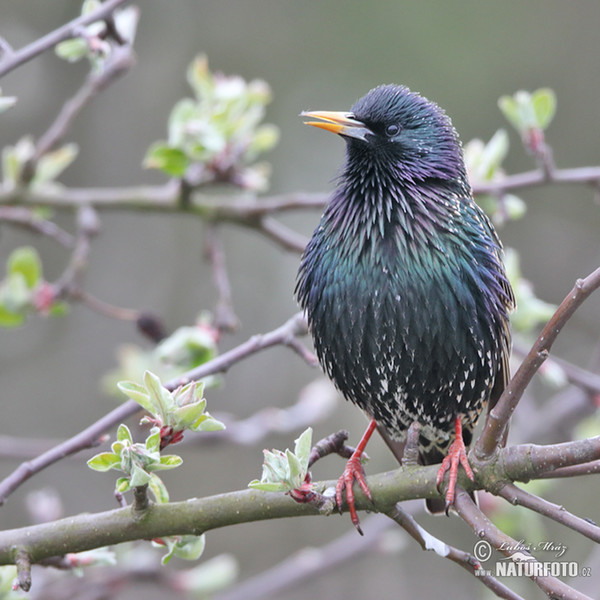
x: 544, y: 106
x: 52, y: 164
x: 104, y: 462
x: 190, y: 547
x: 510, y: 110
x: 153, y: 441
x: 199, y: 76
x: 10, y: 319
x: 137, y: 393
x: 139, y: 476
x: 158, y: 489
x: 303, y: 447
x: 208, y: 423
x: 122, y: 485
x: 266, y: 486
x: 170, y: 461
x: 72, y: 50
x: 172, y: 161
x: 159, y: 396
x: 123, y: 434
x: 26, y: 261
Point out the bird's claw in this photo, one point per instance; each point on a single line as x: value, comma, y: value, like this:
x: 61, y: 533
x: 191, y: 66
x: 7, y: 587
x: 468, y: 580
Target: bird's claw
x: 353, y: 472
x: 457, y: 455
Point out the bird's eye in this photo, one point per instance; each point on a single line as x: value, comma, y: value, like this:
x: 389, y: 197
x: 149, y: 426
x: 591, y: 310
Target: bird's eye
x: 392, y: 130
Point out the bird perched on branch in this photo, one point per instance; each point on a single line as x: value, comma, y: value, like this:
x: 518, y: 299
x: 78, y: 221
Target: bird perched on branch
x: 403, y: 284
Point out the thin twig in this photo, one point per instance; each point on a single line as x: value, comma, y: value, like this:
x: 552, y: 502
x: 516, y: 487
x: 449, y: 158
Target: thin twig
x: 460, y: 557
x: 499, y: 416
x: 27, y: 219
x: 588, y: 468
x: 519, y: 497
x: 332, y: 444
x: 582, y: 378
x: 287, y: 238
x: 118, y: 63
x: 586, y: 175
x: 11, y: 60
x: 286, y: 335
x: 225, y: 317
x: 505, y: 544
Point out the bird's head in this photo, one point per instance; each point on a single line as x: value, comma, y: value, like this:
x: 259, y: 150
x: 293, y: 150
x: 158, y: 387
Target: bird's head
x: 395, y: 129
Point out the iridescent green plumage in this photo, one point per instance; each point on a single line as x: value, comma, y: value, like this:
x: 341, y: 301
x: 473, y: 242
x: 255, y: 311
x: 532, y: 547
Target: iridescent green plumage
x: 402, y: 282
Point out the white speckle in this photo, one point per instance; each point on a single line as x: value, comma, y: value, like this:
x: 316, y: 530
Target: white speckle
x: 384, y: 385
x: 472, y: 384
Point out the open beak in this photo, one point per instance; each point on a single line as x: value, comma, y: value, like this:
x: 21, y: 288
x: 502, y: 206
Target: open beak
x: 342, y: 123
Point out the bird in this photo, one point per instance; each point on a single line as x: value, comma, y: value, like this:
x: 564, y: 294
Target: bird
x: 403, y: 285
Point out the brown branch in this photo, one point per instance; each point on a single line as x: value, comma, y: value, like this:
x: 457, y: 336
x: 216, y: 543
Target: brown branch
x: 582, y: 378
x: 485, y: 529
x: 588, y: 468
x: 287, y: 238
x: 460, y: 557
x: 24, y: 217
x: 529, y: 461
x: 498, y: 417
x: 286, y: 335
x: 518, y: 497
x: 118, y: 63
x: 225, y: 317
x: 585, y: 175
x: 13, y: 59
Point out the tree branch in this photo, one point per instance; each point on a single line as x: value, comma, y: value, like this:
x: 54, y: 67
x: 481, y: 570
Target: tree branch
x: 485, y: 529
x: 13, y: 59
x: 460, y: 557
x: 498, y: 417
x: 286, y: 335
x: 518, y: 497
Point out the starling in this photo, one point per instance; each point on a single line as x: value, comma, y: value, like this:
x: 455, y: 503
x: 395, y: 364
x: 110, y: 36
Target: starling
x: 403, y: 284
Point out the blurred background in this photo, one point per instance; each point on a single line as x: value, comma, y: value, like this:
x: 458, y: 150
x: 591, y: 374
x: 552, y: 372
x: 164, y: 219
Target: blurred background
x: 314, y: 55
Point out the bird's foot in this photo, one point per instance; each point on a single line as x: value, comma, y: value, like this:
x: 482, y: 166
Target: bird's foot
x: 353, y: 472
x: 457, y: 455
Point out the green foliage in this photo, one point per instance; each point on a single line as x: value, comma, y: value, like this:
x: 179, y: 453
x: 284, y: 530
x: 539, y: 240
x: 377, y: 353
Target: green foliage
x: 484, y: 165
x: 24, y: 290
x: 48, y: 167
x: 188, y: 547
x: 285, y: 471
x: 182, y: 409
x: 171, y: 413
x: 219, y: 131
x: 92, y: 42
x: 138, y: 461
x: 529, y: 111
x: 185, y: 349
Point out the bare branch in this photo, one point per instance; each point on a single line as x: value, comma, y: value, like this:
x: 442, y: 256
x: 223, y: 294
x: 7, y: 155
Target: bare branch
x: 485, y: 529
x: 119, y: 62
x: 27, y: 219
x: 519, y: 497
x: 460, y: 557
x: 286, y: 335
x: 586, y: 175
x: 225, y: 317
x: 499, y: 416
x: 12, y: 60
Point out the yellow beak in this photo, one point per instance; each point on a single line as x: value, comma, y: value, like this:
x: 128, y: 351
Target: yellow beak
x: 342, y: 123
